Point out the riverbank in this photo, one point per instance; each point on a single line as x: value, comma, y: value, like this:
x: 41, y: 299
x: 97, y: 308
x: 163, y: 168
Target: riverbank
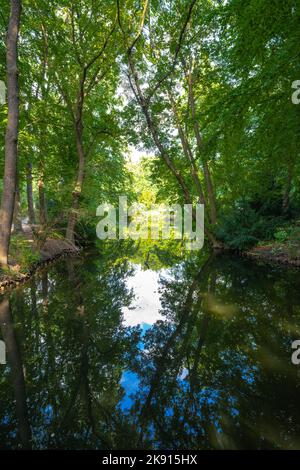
x: 52, y: 250
x: 274, y: 254
x: 23, y: 266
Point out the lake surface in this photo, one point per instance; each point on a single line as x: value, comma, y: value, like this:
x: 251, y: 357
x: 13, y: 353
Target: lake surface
x: 138, y: 349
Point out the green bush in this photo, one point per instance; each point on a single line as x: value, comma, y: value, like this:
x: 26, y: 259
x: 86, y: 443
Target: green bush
x: 243, y: 227
x: 27, y: 257
x: 281, y: 235
x: 23, y: 253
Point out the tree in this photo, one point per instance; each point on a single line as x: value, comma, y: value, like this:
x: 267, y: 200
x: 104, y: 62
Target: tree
x: 11, y: 138
x: 152, y: 94
x: 90, y: 58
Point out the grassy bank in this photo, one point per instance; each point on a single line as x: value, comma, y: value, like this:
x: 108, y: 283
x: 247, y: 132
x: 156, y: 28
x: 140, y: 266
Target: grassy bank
x: 26, y: 257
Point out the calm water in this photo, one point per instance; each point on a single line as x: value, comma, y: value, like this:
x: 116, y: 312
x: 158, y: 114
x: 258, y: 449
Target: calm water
x: 145, y: 351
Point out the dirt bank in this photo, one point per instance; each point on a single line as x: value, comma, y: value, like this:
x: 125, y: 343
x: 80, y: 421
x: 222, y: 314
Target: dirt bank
x: 278, y: 254
x: 52, y: 250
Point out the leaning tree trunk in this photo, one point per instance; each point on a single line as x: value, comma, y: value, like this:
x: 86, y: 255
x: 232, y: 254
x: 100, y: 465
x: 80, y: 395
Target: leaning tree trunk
x: 11, y: 137
x: 155, y: 135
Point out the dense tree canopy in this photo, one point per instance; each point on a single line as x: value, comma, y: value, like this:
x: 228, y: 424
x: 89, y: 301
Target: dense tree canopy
x: 202, y: 87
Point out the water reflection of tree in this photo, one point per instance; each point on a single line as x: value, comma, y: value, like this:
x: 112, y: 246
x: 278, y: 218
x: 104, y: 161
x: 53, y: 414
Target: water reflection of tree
x: 74, y: 349
x: 216, y: 372
x: 16, y: 377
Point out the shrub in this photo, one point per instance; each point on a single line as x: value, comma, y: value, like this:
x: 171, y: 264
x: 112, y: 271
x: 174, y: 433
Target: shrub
x: 23, y: 253
x: 281, y: 235
x: 244, y: 227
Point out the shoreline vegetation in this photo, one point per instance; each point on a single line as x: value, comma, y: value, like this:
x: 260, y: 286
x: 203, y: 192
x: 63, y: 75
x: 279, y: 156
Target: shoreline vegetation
x: 57, y: 249
x: 160, y: 104
x: 29, y: 260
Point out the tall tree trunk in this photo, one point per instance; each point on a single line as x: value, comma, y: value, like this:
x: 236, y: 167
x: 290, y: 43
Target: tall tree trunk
x: 42, y: 202
x: 194, y: 171
x: 155, y: 135
x: 11, y: 137
x: 17, y: 217
x: 85, y: 87
x: 18, y: 382
x: 70, y: 233
x: 206, y: 170
x: 31, y: 213
x: 187, y: 152
x: 41, y: 186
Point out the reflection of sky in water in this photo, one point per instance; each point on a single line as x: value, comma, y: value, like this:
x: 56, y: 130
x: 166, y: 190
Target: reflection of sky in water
x: 130, y: 383
x: 146, y: 305
x: 144, y: 311
x: 130, y: 380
